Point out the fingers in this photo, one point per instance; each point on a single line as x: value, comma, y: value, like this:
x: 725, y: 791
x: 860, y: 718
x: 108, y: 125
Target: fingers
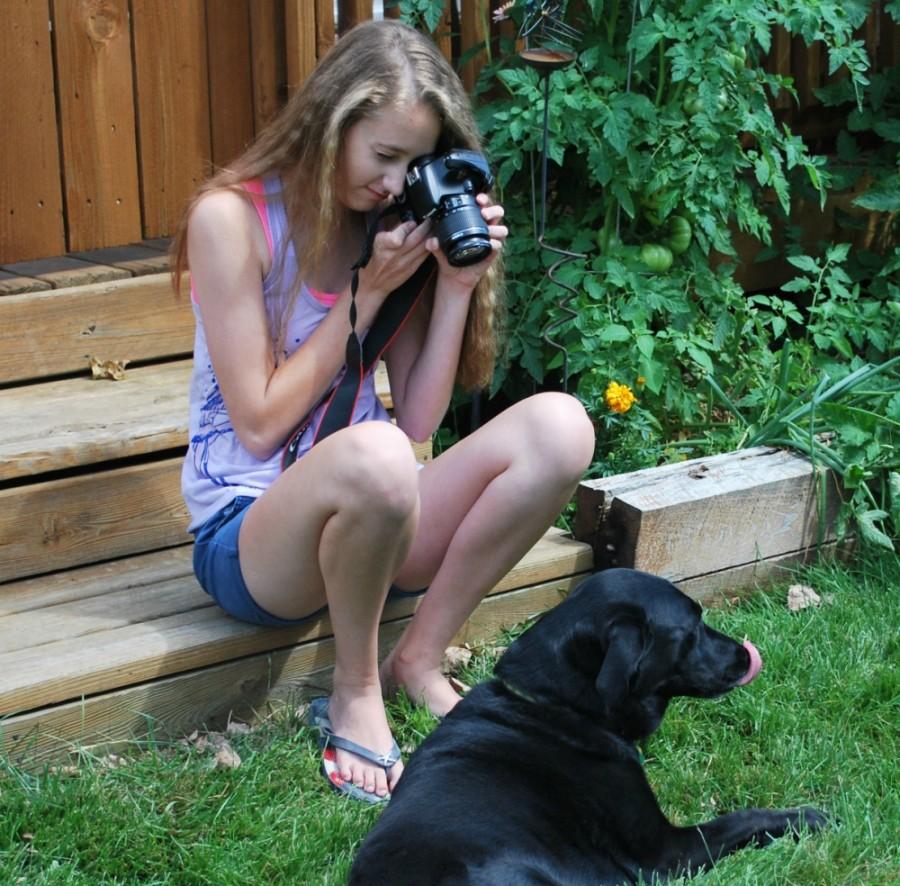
x: 406, y: 236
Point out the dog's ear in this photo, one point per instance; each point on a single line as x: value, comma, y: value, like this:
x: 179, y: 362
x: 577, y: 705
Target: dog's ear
x: 627, y: 642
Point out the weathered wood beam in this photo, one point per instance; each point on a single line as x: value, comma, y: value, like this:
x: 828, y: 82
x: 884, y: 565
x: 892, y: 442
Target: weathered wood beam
x: 706, y: 515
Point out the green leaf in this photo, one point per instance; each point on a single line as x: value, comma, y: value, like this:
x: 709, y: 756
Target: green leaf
x: 884, y: 196
x: 701, y: 357
x: 646, y: 344
x: 654, y: 374
x: 894, y: 489
x: 615, y: 332
x: 872, y: 533
x: 804, y: 262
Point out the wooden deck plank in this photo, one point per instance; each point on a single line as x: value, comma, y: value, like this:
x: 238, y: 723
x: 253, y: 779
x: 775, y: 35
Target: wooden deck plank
x: 137, y: 259
x: 75, y: 422
x: 64, y: 271
x: 68, y: 522
x: 80, y: 421
x: 57, y: 332
x: 11, y: 283
x: 173, y: 706
x: 135, y: 574
x: 137, y: 631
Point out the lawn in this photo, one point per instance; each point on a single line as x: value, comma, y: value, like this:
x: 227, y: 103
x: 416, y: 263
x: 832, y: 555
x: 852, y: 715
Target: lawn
x: 819, y: 726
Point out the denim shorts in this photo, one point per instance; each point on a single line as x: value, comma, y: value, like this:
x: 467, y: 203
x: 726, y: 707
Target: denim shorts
x: 218, y: 569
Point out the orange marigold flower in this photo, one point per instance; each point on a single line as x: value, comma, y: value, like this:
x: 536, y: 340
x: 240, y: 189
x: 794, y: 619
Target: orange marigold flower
x: 619, y: 398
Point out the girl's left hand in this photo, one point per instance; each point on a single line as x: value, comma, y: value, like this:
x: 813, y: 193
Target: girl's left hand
x: 468, y: 277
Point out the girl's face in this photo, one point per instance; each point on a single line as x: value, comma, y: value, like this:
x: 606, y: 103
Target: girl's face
x: 377, y: 151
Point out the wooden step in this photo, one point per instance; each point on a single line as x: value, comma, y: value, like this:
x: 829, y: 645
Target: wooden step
x: 119, y: 507
x: 92, y: 652
x: 57, y: 332
x: 64, y: 424
x: 82, y: 421
x: 60, y: 523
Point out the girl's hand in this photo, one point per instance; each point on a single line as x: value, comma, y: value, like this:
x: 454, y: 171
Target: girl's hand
x: 467, y: 278
x: 396, y: 254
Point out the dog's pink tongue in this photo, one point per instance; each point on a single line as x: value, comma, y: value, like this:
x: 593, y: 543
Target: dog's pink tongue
x: 755, y: 663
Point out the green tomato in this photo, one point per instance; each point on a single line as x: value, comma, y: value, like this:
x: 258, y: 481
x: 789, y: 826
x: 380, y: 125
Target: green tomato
x: 656, y: 257
x: 680, y: 234
x: 691, y: 103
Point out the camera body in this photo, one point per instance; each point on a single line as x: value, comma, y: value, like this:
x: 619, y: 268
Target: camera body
x: 443, y: 187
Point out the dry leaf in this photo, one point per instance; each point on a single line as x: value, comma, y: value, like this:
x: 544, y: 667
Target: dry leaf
x: 236, y: 728
x: 226, y: 757
x: 68, y: 771
x: 112, y: 761
x: 455, y: 657
x: 114, y: 369
x: 802, y: 597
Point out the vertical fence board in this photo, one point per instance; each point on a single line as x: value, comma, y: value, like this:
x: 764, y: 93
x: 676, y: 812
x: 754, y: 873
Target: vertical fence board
x: 779, y: 62
x: 807, y: 65
x: 173, y: 106
x: 352, y: 12
x: 31, y: 213
x: 300, y: 40
x: 96, y: 114
x: 230, y: 78
x: 474, y: 28
x: 325, y: 32
x: 269, y: 62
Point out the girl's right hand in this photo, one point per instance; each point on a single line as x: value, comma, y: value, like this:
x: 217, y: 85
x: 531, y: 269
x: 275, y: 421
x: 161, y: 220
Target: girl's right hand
x: 396, y: 254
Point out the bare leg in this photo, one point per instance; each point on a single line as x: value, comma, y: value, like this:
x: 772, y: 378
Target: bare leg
x: 484, y: 503
x: 335, y: 528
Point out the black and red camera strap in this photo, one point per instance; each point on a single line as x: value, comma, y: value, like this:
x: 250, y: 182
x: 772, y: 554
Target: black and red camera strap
x: 361, y: 357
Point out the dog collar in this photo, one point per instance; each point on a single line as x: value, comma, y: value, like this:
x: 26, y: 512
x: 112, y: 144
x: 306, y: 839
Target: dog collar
x: 519, y: 693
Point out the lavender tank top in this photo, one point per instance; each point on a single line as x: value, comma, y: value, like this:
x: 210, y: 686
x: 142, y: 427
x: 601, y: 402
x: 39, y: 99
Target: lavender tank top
x: 217, y: 468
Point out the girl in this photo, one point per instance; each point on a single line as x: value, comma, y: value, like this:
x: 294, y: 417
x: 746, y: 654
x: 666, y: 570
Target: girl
x: 270, y: 243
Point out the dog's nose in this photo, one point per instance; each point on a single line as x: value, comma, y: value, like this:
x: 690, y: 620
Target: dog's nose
x: 755, y: 663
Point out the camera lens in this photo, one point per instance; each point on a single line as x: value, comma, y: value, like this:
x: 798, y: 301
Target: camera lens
x: 461, y: 231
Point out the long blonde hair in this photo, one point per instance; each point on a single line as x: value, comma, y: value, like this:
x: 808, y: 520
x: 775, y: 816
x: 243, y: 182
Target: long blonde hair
x: 375, y: 65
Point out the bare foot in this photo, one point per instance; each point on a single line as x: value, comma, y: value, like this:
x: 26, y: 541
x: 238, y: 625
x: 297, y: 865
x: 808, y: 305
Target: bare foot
x: 359, y: 716
x: 425, y: 685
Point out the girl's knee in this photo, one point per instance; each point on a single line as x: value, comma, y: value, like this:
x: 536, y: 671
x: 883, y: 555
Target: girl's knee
x: 563, y: 430
x: 377, y: 468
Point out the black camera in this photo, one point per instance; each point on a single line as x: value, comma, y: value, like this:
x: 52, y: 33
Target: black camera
x: 443, y: 187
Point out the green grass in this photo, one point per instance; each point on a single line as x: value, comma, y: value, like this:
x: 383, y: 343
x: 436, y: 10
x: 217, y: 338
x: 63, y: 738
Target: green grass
x: 819, y: 726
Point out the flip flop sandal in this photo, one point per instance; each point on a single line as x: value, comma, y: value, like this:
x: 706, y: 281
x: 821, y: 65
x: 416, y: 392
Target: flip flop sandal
x: 317, y: 717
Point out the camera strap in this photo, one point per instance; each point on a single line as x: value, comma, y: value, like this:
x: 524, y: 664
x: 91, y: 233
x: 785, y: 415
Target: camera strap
x: 335, y: 410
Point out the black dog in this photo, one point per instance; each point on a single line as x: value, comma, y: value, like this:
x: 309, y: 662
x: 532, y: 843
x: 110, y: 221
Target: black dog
x: 533, y: 777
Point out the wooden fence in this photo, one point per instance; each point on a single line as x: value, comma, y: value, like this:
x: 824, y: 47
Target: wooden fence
x: 114, y: 110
